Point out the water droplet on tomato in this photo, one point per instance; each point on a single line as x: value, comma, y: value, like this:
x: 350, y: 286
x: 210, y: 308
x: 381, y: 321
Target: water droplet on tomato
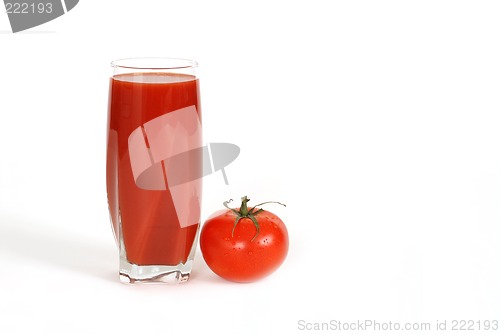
x: 234, y: 243
x: 227, y: 238
x: 261, y: 249
x: 250, y: 253
x: 226, y: 254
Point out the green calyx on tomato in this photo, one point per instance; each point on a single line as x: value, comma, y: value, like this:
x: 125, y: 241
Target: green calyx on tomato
x: 244, y: 212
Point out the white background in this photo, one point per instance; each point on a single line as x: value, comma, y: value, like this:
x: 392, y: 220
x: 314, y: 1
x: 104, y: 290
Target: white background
x: 377, y: 122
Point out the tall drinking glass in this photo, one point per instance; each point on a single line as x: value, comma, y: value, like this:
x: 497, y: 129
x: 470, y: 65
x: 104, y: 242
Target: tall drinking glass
x: 154, y: 164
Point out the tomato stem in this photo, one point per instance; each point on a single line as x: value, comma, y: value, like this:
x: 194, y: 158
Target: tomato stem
x: 244, y: 212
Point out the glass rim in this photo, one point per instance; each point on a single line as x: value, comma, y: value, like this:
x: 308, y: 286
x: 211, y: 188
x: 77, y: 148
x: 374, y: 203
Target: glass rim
x: 154, y: 63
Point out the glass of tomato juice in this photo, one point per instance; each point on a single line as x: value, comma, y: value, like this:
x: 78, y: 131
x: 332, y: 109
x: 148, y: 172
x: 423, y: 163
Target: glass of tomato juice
x: 154, y: 167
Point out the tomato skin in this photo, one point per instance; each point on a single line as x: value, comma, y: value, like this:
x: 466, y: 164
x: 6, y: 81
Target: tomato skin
x: 239, y: 258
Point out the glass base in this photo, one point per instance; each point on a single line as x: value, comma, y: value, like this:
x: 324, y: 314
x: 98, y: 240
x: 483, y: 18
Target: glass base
x: 132, y: 273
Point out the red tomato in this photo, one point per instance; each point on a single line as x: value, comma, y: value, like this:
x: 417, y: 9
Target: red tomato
x: 244, y: 245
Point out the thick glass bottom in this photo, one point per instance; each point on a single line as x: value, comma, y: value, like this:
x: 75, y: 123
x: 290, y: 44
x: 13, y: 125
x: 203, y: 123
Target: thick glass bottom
x: 131, y: 273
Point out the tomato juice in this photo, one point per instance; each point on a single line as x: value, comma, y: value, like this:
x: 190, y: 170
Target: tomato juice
x: 146, y: 221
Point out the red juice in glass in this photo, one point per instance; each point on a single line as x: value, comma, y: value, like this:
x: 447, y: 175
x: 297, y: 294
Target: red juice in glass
x: 154, y: 189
